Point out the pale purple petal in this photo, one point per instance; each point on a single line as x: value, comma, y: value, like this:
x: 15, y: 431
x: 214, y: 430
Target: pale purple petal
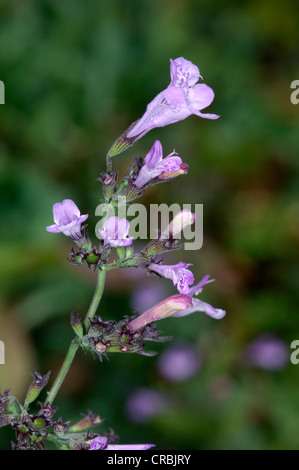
x: 169, y: 164
x: 166, y: 108
x: 197, y: 289
x: 199, y: 306
x: 201, y: 96
x: 183, y: 72
x: 82, y: 218
x: 110, y: 227
x: 178, y: 273
x: 53, y: 228
x: 98, y: 443
x: 154, y: 156
x: 115, y: 232
x: 123, y: 228
x: 122, y: 242
x: 206, y: 115
x: 145, y: 175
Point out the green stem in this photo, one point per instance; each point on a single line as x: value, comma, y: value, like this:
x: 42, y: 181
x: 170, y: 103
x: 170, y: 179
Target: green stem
x: 74, y: 344
x: 63, y: 371
x: 96, y: 297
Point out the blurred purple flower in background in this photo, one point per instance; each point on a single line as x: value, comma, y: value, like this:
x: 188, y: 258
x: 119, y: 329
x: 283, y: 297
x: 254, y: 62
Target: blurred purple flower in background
x: 143, y: 404
x: 267, y: 352
x: 67, y: 219
x: 147, y: 295
x: 179, y: 362
x: 155, y: 164
x: 115, y: 231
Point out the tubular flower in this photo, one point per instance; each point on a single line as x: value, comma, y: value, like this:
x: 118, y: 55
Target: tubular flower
x: 115, y: 231
x: 155, y: 165
x: 67, y: 219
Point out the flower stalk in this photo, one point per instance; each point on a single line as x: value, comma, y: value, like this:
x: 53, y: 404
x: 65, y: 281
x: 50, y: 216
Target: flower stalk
x: 75, y: 345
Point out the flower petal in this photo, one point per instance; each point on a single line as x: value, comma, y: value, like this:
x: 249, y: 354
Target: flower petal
x: 199, y: 306
x: 154, y: 156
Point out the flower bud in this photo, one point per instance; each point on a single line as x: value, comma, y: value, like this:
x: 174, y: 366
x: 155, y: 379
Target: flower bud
x: 181, y: 220
x: 38, y: 383
x: 108, y: 181
x: 164, y: 309
x: 91, y: 419
x: 77, y: 325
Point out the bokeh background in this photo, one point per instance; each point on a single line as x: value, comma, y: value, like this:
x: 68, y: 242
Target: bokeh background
x: 77, y: 74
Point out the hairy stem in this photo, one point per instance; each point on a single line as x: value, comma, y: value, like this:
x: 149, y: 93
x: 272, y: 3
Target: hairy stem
x: 74, y: 344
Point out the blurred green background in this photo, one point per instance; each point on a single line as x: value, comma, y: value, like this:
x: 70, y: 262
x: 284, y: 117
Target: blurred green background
x: 77, y: 74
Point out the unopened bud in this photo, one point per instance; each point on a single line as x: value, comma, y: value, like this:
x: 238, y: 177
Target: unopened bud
x: 38, y: 383
x: 77, y: 325
x: 180, y: 221
x: 108, y: 181
x: 91, y: 419
x: 164, y: 309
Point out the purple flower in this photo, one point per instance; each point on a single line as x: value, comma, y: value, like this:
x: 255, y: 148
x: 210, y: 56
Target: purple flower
x: 115, y: 231
x: 181, y: 99
x: 67, y: 219
x: 155, y: 165
x: 199, y: 305
x: 100, y: 443
x: 179, y: 362
x: 144, y: 404
x: 178, y: 273
x: 267, y: 352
